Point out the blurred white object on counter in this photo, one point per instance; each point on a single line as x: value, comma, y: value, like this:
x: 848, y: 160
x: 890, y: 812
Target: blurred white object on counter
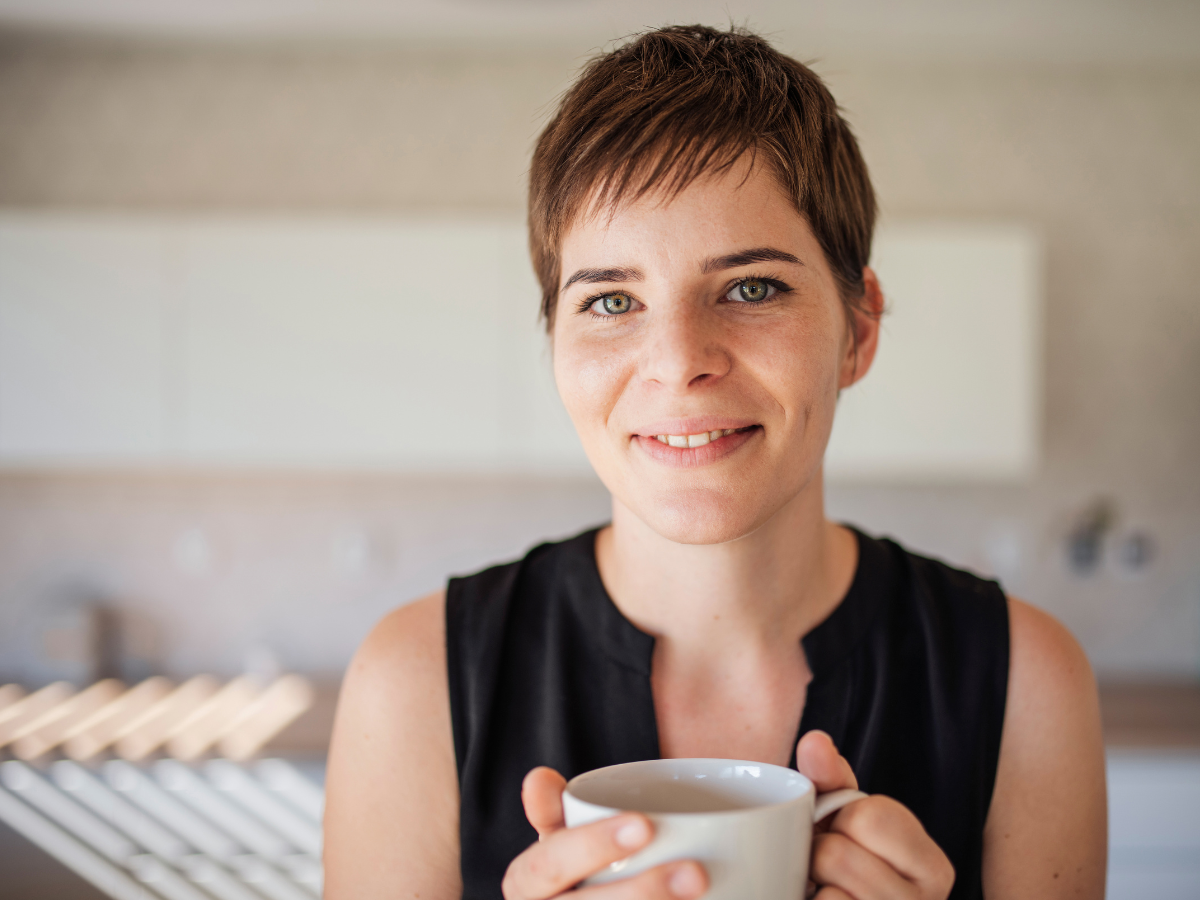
x: 166, y: 830
x: 186, y: 722
x: 1153, y: 824
x: 146, y: 845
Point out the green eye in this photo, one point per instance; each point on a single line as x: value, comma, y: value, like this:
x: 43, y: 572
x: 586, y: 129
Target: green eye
x: 754, y: 290
x: 615, y: 304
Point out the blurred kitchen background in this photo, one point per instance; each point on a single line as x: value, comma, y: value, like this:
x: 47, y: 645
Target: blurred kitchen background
x: 270, y: 364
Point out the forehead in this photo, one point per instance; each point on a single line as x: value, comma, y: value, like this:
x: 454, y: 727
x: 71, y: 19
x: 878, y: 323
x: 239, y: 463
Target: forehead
x: 740, y: 207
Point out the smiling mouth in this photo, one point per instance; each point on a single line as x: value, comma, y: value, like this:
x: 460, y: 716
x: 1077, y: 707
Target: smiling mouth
x: 685, y: 441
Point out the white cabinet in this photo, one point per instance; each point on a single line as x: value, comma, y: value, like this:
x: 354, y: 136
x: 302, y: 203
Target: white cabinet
x: 955, y: 391
x: 413, y: 344
x: 81, y: 340
x: 342, y: 344
x: 1153, y: 825
x: 252, y: 341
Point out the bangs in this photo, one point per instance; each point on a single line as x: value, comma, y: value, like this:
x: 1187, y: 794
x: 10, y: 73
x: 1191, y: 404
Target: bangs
x: 665, y: 117
x: 666, y: 169
x: 680, y: 103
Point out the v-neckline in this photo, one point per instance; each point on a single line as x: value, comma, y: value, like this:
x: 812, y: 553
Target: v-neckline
x: 825, y: 647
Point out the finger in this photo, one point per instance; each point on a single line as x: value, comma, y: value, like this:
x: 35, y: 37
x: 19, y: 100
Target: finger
x: 541, y: 793
x: 832, y: 893
x: 563, y: 858
x: 839, y: 862
x: 818, y: 759
x: 671, y: 881
x: 890, y: 831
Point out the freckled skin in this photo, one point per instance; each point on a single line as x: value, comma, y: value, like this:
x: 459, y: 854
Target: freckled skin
x: 780, y: 363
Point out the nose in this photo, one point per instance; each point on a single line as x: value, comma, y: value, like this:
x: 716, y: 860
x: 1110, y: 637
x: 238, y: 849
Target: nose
x: 684, y: 351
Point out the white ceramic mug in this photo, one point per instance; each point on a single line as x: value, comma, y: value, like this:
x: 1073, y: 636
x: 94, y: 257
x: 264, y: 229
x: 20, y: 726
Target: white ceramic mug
x: 750, y: 824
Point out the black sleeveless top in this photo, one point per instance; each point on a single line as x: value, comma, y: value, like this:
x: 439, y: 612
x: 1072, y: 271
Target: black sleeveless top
x: 910, y: 675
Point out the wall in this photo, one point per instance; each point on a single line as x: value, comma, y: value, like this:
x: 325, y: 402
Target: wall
x: 1104, y: 160
x: 283, y: 128
x: 211, y: 572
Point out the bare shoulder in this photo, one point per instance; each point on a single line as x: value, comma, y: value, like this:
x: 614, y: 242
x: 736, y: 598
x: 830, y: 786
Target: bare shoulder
x: 1045, y: 655
x: 407, y: 643
x: 396, y: 687
x: 391, y: 819
x: 1047, y: 825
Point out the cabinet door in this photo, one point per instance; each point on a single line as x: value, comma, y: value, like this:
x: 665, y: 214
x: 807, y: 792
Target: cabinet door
x: 1153, y: 824
x: 82, y: 362
x: 356, y: 343
x: 954, y: 393
x: 536, y: 433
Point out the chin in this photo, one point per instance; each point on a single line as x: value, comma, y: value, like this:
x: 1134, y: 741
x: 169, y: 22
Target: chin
x: 702, y: 517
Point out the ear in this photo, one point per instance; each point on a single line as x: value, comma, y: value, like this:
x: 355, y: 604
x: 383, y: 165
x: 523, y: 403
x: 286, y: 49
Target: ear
x: 862, y: 344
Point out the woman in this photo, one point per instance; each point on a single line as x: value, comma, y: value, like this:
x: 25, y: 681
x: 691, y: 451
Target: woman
x: 700, y: 221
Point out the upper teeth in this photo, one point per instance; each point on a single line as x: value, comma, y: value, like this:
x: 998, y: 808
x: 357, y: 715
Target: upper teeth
x: 693, y: 440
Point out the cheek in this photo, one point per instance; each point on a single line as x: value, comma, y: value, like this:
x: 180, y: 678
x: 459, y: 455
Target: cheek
x: 801, y: 364
x: 589, y: 380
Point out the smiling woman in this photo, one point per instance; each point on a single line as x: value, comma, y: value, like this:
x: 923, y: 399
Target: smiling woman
x: 700, y: 221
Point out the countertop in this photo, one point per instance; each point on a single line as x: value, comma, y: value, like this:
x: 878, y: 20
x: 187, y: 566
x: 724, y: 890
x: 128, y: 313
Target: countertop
x: 1145, y: 715
x: 1162, y: 714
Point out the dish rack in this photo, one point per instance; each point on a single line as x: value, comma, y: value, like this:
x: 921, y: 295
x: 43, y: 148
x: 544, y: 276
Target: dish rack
x: 155, y: 792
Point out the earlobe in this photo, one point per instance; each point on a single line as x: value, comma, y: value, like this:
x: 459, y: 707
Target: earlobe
x: 865, y: 317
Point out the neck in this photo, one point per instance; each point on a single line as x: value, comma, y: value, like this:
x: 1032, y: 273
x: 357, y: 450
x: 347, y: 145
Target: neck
x: 770, y: 587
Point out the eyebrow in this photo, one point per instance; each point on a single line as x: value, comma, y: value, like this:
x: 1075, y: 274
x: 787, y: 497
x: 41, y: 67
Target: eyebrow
x: 712, y: 264
x: 745, y: 257
x: 603, y: 276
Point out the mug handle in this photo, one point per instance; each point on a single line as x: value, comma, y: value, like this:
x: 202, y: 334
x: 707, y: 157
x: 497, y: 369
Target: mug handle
x: 833, y: 801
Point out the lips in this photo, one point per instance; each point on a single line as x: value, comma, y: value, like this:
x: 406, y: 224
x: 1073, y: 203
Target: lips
x: 694, y: 446
x: 692, y: 425
x: 696, y: 440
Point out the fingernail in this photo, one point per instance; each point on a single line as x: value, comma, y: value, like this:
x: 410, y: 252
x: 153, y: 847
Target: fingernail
x: 685, y: 882
x: 632, y: 835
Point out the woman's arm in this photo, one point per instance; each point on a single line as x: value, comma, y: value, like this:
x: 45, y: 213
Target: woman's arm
x: 391, y: 817
x: 1046, y: 831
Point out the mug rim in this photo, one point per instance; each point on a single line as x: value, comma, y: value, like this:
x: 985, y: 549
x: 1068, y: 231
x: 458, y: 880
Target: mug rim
x: 809, y: 789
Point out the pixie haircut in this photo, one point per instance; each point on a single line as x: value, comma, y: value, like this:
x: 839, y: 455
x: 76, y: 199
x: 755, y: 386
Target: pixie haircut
x: 679, y: 102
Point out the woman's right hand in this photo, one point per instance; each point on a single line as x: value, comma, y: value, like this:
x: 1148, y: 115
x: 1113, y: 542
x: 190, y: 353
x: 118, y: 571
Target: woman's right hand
x: 563, y: 857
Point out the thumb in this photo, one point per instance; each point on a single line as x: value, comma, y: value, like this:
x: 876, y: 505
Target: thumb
x: 818, y: 759
x: 541, y: 793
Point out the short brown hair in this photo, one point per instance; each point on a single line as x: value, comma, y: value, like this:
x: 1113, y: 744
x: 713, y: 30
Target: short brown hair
x: 682, y: 101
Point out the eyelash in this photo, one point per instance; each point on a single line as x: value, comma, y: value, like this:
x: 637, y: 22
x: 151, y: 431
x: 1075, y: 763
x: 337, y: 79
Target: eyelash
x: 781, y: 288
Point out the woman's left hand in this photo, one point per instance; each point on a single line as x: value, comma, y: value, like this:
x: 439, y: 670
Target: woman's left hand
x: 873, y: 848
